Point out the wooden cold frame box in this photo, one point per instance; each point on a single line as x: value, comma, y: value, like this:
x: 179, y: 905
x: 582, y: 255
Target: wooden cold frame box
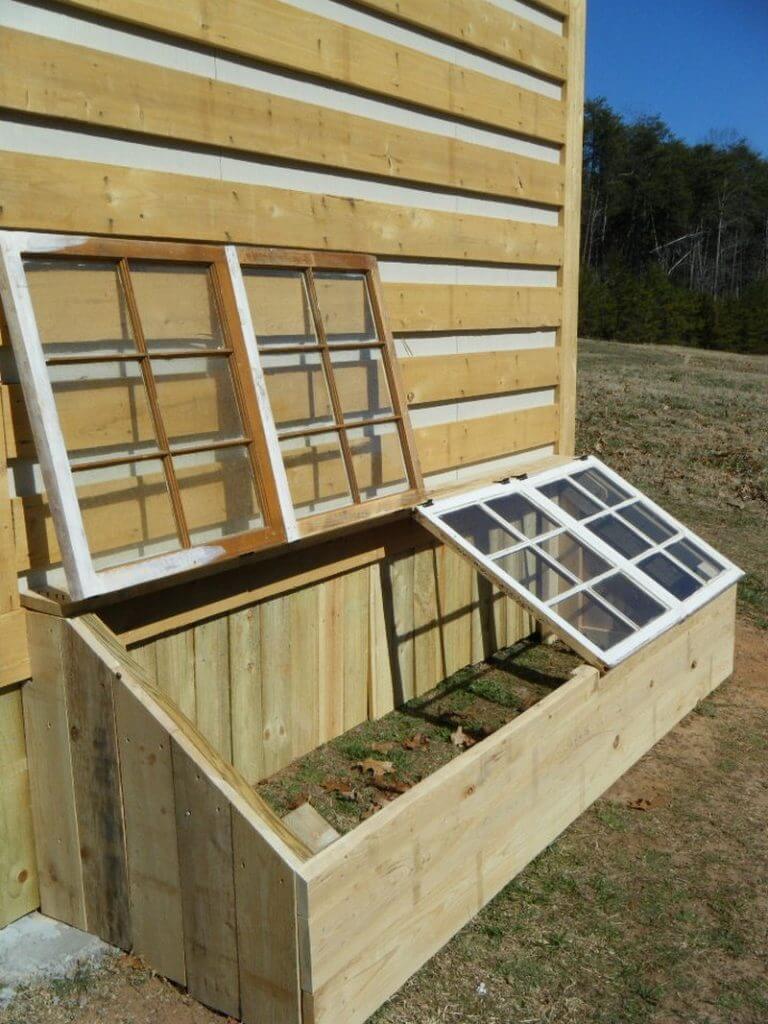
x: 184, y: 864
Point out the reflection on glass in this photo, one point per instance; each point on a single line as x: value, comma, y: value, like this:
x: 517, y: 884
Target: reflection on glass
x: 103, y: 409
x: 317, y: 478
x: 345, y: 307
x: 127, y: 512
x: 177, y: 305
x: 670, y: 576
x: 626, y: 597
x: 298, y: 391
x: 533, y: 572
x: 481, y: 530
x: 361, y: 382
x: 197, y: 399
x: 523, y: 515
x: 598, y: 484
x: 647, y: 521
x: 79, y: 306
x: 577, y: 558
x: 377, y: 460
x: 692, y: 556
x: 218, y: 493
x: 279, y: 305
x: 611, y: 530
x: 599, y: 624
x: 570, y: 499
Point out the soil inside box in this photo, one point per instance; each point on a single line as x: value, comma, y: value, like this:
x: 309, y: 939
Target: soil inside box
x: 364, y: 769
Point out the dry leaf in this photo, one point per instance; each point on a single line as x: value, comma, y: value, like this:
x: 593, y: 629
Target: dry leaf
x: 417, y: 742
x: 339, y: 786
x: 377, y: 768
x: 383, y: 748
x: 298, y: 800
x: 392, y: 785
x: 460, y: 739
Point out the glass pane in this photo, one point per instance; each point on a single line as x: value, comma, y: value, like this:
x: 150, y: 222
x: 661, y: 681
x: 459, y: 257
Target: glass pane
x: 79, y: 306
x: 604, y: 490
x: 345, y: 307
x: 528, y: 568
x: 361, y: 382
x: 620, y: 537
x: 577, y: 558
x: 481, y: 530
x: 694, y: 558
x: 103, y: 409
x: 127, y: 512
x: 670, y: 576
x: 646, y: 520
x: 626, y: 597
x: 523, y: 515
x: 591, y: 618
x: 316, y: 475
x: 177, y: 305
x: 197, y: 399
x: 279, y: 306
x: 570, y: 499
x: 377, y: 460
x: 218, y: 493
x: 298, y: 392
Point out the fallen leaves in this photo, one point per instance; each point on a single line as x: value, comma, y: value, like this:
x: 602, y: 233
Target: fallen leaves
x: 375, y: 767
x: 340, y: 787
x: 417, y: 742
x: 383, y: 748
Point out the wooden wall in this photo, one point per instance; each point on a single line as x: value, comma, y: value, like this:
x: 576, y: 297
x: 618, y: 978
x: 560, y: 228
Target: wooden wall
x: 445, y: 139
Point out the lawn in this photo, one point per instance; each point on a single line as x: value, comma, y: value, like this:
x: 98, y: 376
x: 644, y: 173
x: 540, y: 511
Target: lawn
x: 653, y: 907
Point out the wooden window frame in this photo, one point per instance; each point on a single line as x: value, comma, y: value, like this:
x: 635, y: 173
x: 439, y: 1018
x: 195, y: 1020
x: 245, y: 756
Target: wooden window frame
x: 83, y: 579
x: 307, y: 262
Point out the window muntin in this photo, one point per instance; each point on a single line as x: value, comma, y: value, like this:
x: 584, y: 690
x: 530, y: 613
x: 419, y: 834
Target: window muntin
x: 330, y: 373
x: 568, y: 562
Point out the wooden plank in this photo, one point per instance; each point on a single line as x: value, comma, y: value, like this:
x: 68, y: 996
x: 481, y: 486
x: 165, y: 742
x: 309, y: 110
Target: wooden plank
x: 270, y: 990
x: 485, y: 27
x: 447, y: 445
x: 175, y: 658
x: 356, y: 637
x: 56, y: 79
x: 52, y: 790
x: 566, y: 752
x: 245, y: 693
x: 397, y: 588
x: 455, y: 598
x: 98, y: 800
x: 430, y: 379
x: 212, y: 684
x: 429, y: 658
x: 19, y: 892
x: 287, y: 36
x: 381, y: 671
x: 9, y: 591
x: 331, y: 662
x: 206, y: 865
x: 14, y: 652
x: 115, y: 200
x: 149, y: 807
x: 570, y: 218
x: 311, y: 827
x: 447, y: 307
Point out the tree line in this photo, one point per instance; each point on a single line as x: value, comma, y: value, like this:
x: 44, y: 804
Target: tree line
x: 674, y: 245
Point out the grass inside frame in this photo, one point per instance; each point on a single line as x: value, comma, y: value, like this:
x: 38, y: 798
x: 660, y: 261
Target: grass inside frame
x: 58, y: 467
x: 304, y: 264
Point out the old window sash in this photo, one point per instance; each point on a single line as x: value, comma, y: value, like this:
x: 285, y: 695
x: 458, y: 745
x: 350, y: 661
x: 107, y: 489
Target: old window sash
x: 615, y: 539
x: 58, y: 466
x: 337, y: 399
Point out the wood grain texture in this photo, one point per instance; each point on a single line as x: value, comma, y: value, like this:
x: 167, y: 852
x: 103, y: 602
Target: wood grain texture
x: 19, y: 894
x: 429, y: 379
x: 301, y: 41
x: 14, y: 651
x: 567, y: 751
x: 571, y: 220
x: 149, y: 807
x: 37, y: 191
x: 485, y: 27
x: 86, y: 86
x: 446, y: 307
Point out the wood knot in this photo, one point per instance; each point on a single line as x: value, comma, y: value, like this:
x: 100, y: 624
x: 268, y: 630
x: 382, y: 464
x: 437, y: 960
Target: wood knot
x: 616, y: 743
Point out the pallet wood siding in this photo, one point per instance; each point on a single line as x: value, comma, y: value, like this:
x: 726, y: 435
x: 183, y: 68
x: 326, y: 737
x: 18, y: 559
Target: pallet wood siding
x: 270, y: 681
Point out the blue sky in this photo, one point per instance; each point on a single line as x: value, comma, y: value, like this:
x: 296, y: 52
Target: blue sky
x: 702, y: 65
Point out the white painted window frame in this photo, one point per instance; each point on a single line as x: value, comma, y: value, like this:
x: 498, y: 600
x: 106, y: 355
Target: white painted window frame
x: 431, y: 513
